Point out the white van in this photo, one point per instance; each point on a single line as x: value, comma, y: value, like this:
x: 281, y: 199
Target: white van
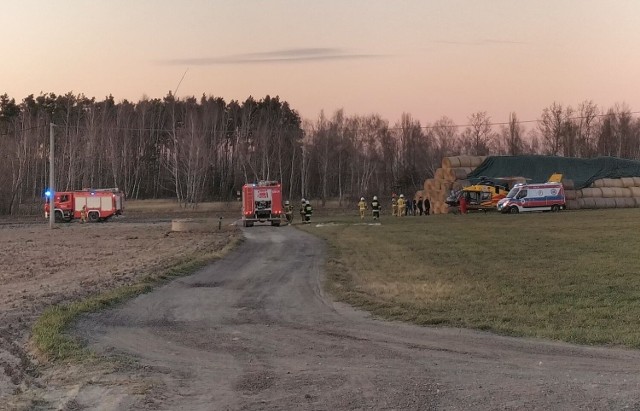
x: 533, y: 197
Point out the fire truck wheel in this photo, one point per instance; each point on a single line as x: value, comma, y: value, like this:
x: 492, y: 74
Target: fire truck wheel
x: 58, y: 217
x: 275, y: 223
x: 94, y: 217
x: 248, y: 224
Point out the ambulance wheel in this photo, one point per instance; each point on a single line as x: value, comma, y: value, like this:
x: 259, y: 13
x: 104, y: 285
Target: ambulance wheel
x: 514, y: 210
x: 555, y: 208
x: 94, y: 217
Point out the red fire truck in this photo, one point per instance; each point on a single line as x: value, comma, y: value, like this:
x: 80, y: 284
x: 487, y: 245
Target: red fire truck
x: 262, y: 202
x: 102, y: 204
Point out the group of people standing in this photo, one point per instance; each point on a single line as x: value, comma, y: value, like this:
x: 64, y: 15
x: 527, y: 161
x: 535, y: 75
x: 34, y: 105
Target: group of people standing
x: 399, y: 206
x: 375, y: 208
x: 306, y: 210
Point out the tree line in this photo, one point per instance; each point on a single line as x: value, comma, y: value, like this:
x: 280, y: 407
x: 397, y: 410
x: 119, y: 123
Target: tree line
x: 204, y: 149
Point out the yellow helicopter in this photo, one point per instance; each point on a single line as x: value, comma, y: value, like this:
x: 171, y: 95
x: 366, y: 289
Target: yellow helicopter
x: 484, y: 193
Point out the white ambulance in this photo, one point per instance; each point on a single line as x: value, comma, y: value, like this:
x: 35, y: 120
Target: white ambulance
x: 533, y: 197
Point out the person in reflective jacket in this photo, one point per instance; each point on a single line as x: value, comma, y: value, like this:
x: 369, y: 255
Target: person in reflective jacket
x: 362, y: 206
x: 375, y: 208
x: 308, y: 210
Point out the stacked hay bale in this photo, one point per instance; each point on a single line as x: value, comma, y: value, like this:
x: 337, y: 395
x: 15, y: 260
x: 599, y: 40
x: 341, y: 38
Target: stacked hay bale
x: 451, y: 176
x: 608, y: 193
x: 570, y: 194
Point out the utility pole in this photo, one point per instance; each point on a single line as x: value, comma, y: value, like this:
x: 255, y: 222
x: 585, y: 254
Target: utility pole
x: 52, y: 217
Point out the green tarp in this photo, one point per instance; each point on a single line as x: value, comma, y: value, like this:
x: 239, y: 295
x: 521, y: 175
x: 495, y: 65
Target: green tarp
x: 583, y: 171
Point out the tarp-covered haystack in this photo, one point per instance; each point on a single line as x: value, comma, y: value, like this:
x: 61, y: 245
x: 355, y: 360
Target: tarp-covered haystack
x: 603, y: 182
x: 582, y: 171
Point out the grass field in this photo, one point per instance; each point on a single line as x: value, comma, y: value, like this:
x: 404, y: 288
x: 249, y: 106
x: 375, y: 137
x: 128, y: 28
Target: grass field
x: 571, y: 276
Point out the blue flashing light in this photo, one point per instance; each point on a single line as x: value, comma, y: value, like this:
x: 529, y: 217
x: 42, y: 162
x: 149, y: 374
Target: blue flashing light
x: 47, y: 193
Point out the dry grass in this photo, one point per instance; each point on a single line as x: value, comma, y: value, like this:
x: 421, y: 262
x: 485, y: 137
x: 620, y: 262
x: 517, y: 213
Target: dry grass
x: 572, y: 276
x: 172, y: 206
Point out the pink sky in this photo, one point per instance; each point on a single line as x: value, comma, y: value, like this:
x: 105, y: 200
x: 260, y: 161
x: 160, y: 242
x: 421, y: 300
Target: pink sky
x: 426, y: 58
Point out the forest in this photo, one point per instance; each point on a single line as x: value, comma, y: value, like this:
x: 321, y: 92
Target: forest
x: 205, y: 149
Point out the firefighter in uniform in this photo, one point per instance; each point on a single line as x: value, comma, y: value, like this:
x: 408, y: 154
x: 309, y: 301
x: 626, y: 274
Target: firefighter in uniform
x: 302, y: 204
x: 288, y: 212
x: 362, y: 206
x: 394, y: 205
x: 401, y: 205
x: 375, y: 208
x: 83, y: 214
x: 308, y: 210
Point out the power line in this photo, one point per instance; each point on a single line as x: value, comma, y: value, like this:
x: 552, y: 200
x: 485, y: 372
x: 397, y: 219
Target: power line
x: 517, y: 122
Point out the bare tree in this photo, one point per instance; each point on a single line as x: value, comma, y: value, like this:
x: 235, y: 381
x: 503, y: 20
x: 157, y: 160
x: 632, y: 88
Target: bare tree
x: 511, y: 137
x: 478, y: 136
x: 586, y: 125
x: 556, y: 130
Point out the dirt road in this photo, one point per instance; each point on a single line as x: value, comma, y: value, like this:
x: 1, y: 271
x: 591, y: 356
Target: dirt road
x: 255, y: 331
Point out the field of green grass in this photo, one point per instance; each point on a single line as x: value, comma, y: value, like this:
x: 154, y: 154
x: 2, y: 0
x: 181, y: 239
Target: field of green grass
x: 570, y: 276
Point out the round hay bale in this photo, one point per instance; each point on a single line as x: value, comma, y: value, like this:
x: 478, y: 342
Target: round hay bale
x: 568, y: 184
x: 627, y: 182
x: 592, y: 192
x: 624, y: 192
x: 635, y: 191
x: 598, y: 183
x: 428, y: 184
x: 608, y: 192
x: 195, y: 225
x: 475, y: 161
x: 636, y: 181
x: 435, y: 206
x: 449, y: 175
x: 573, y: 205
x: 629, y: 202
x: 446, y: 186
x: 440, y: 195
x: 439, y: 175
x: 610, y: 202
x: 619, y: 202
x: 459, y: 173
x: 606, y: 182
x: 570, y: 194
x: 588, y: 203
x: 637, y: 201
x: 418, y: 194
x: 450, y: 162
x: 612, y: 182
x: 465, y: 161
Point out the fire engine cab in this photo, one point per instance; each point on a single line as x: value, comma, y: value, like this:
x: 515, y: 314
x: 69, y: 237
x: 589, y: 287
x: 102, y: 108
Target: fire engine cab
x: 262, y: 202
x: 101, y: 204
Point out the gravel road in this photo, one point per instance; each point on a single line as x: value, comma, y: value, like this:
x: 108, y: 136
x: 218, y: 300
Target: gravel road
x: 256, y: 331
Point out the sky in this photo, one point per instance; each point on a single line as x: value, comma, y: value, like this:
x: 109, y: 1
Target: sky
x: 422, y: 57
